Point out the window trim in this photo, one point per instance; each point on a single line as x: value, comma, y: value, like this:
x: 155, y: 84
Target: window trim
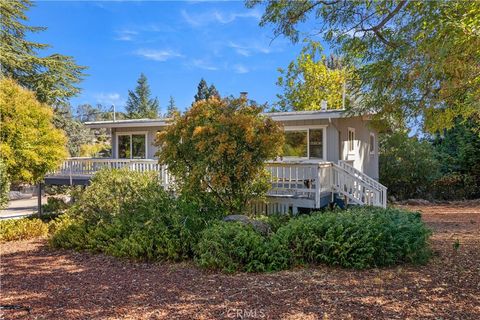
x: 351, y: 151
x: 130, y: 133
x: 371, y: 146
x: 307, y: 128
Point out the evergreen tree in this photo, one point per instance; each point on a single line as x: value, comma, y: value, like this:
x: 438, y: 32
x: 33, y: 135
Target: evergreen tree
x: 204, y: 92
x: 139, y: 104
x: 213, y: 92
x: 172, y: 109
x: 53, y: 78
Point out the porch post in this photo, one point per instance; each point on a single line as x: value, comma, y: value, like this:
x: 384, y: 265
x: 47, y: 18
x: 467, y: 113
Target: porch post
x: 39, y: 211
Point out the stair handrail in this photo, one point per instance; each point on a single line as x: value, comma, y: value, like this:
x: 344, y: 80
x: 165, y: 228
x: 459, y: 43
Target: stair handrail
x: 379, y: 194
x: 361, y: 175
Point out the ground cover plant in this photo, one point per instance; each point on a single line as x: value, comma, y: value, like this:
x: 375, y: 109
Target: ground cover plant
x: 22, y: 229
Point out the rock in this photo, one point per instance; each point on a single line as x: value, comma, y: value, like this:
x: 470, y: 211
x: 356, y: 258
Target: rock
x: 17, y: 195
x: 261, y: 227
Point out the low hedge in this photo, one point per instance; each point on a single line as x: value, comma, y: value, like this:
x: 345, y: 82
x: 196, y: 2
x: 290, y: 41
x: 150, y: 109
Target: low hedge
x: 356, y: 238
x: 22, y: 229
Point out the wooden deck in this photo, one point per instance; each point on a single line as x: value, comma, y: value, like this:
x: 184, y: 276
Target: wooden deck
x: 294, y: 184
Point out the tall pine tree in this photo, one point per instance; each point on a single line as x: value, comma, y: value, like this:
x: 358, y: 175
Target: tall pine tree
x: 172, y: 109
x: 53, y: 78
x: 204, y: 92
x: 139, y: 104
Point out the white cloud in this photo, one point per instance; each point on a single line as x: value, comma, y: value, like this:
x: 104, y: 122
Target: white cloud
x: 216, y: 16
x: 109, y: 98
x: 239, y: 68
x: 247, y: 50
x: 158, y: 55
x: 203, y: 64
x: 126, y: 35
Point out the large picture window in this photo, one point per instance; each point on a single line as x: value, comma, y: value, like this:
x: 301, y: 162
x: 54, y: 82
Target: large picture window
x: 132, y: 146
x: 295, y: 144
x: 304, y: 143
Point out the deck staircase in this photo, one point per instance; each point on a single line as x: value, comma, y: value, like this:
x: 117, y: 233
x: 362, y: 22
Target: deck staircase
x: 356, y: 187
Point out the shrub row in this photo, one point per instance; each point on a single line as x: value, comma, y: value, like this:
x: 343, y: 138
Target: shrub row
x: 357, y: 238
x: 128, y: 214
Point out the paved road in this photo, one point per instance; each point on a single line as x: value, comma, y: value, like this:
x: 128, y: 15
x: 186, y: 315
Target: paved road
x: 21, y: 208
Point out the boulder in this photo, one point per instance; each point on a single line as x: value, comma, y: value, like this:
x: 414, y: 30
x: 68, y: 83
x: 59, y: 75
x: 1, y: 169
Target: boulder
x: 261, y: 227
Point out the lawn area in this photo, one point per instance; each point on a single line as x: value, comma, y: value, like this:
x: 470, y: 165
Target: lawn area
x: 61, y: 284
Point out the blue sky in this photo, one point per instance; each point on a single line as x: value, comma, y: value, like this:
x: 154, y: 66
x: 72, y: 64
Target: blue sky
x: 173, y: 43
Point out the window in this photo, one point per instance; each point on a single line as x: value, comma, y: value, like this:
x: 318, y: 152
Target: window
x: 315, y: 143
x: 124, y: 147
x: 132, y: 146
x: 351, y: 139
x: 295, y: 144
x: 372, y: 143
x: 304, y: 143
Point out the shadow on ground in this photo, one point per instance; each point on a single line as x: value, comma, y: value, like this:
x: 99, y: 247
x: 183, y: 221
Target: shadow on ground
x: 60, y: 284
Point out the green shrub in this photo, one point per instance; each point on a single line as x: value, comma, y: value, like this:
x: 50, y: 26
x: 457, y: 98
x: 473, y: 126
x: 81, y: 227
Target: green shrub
x: 356, y: 238
x: 146, y: 223
x: 275, y: 220
x: 231, y: 246
x: 110, y: 190
x: 54, y: 205
x: 22, y: 229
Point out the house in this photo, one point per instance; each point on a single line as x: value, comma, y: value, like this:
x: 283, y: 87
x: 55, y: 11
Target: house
x: 328, y: 156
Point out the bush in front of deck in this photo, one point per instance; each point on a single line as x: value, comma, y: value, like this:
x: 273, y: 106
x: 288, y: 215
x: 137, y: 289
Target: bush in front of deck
x: 128, y: 214
x: 357, y: 238
x: 217, y: 151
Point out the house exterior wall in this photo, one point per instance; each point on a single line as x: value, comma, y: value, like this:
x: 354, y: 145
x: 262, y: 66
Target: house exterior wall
x: 151, y: 134
x: 336, y: 131
x: 362, y: 159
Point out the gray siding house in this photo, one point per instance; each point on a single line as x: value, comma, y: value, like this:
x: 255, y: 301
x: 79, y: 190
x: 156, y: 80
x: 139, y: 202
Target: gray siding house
x: 328, y: 156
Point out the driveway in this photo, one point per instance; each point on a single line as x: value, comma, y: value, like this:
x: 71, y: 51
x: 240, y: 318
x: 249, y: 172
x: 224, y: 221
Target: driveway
x: 21, y: 208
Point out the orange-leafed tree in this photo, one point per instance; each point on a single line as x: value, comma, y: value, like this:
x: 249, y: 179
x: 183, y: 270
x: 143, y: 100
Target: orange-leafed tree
x: 217, y: 150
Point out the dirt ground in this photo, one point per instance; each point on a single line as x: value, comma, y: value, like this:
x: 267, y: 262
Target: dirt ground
x: 70, y: 285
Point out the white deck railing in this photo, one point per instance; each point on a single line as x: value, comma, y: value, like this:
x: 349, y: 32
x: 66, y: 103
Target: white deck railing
x: 299, y: 180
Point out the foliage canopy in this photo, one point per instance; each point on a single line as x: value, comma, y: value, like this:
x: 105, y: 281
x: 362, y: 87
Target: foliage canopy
x: 413, y: 59
x: 218, y: 148
x: 30, y: 145
x: 53, y: 78
x: 309, y: 80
